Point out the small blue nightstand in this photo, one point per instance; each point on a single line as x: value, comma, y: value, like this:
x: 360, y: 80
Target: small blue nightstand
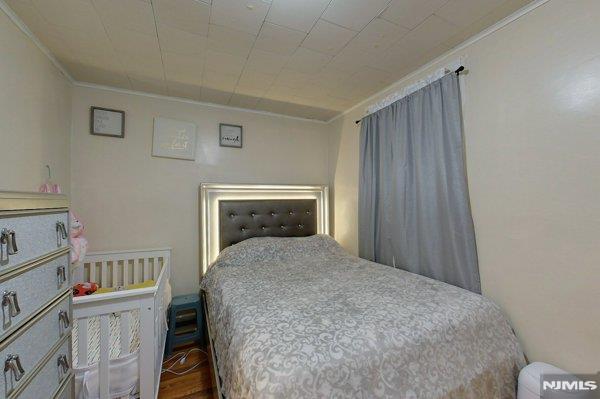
x: 180, y: 305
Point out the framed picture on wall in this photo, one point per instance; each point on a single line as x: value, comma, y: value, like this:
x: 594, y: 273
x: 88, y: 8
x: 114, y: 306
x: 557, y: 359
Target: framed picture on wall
x: 107, y: 122
x: 174, y: 139
x: 230, y: 135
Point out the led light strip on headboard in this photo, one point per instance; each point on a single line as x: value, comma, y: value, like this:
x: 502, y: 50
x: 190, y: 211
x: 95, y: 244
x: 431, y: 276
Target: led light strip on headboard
x: 212, y: 193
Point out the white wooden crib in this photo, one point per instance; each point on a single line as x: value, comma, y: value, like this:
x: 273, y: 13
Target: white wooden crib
x: 122, y: 332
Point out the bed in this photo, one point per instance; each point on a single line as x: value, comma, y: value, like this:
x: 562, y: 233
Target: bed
x: 297, y: 316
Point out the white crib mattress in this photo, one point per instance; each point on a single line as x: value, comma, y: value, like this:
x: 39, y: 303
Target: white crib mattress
x: 115, y: 338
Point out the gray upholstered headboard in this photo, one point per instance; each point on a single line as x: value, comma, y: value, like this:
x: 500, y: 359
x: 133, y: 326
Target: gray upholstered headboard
x: 230, y: 213
x: 243, y: 219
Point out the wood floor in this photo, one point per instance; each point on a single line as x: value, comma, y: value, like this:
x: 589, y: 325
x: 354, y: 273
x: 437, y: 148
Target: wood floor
x: 197, y: 384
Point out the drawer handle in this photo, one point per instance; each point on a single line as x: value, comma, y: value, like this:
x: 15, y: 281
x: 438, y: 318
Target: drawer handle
x: 9, y: 298
x: 63, y: 363
x: 61, y: 275
x: 63, y: 318
x: 61, y: 233
x: 8, y: 239
x: 13, y: 364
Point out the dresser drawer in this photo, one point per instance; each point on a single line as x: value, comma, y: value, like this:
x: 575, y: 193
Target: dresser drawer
x: 31, y: 236
x: 48, y: 380
x: 34, y: 341
x: 67, y: 390
x: 29, y: 289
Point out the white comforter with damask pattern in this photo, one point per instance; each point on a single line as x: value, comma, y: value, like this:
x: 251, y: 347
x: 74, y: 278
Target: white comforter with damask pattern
x: 302, y: 318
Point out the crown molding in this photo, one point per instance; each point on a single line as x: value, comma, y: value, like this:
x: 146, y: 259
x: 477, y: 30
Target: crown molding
x: 25, y: 29
x: 473, y: 39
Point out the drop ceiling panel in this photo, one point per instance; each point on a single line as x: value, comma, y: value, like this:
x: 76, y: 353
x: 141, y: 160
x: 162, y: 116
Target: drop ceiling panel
x: 266, y: 62
x: 296, y: 14
x: 328, y: 38
x: 464, y: 12
x: 377, y: 36
x: 353, y: 14
x: 410, y: 13
x: 230, y: 41
x: 183, y: 68
x: 307, y: 61
x: 278, y: 39
x: 189, y: 15
x: 119, y: 12
x: 307, y: 58
x: 175, y: 40
x: 72, y: 14
x: 246, y: 16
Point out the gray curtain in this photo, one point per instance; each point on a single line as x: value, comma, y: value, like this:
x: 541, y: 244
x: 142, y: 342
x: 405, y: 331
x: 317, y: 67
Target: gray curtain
x: 414, y: 208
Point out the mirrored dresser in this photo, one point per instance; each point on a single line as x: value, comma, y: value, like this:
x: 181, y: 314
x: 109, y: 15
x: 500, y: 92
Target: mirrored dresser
x: 36, y: 296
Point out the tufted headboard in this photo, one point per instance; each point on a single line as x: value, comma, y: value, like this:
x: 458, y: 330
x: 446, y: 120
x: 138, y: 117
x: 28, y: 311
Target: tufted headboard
x: 231, y: 213
x: 243, y: 219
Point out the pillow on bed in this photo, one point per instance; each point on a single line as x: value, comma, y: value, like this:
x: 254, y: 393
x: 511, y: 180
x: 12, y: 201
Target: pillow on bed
x: 263, y: 249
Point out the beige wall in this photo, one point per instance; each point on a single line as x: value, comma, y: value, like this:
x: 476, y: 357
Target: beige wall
x: 128, y: 199
x: 35, y: 114
x: 532, y: 125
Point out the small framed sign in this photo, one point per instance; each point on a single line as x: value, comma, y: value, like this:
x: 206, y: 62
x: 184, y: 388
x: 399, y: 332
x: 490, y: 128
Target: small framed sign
x: 174, y: 139
x: 230, y: 135
x: 107, y: 122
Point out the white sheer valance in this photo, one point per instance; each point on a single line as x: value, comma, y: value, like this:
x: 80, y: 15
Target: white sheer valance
x: 405, y: 91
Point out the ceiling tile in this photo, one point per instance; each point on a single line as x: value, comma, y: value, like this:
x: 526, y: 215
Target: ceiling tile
x: 73, y: 14
x: 353, y: 14
x: 307, y: 61
x: 219, y: 80
x: 231, y: 41
x: 148, y: 66
x: 350, y: 60
x: 183, y: 90
x: 256, y: 78
x: 134, y: 15
x: 93, y: 74
x: 266, y: 62
x: 290, y: 78
x: 225, y: 63
x: 328, y: 38
x: 188, y: 15
x: 175, y: 40
x: 183, y: 68
x: 296, y: 14
x: 280, y: 92
x: 465, y: 12
x: 246, y: 16
x: 148, y: 85
x: 330, y: 77
x: 410, y: 13
x: 214, y: 96
x: 278, y: 39
x: 377, y: 36
x: 432, y: 32
x: 254, y: 83
x: 243, y: 101
x: 131, y: 42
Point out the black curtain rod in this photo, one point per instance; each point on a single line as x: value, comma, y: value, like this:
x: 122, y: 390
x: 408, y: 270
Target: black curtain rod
x: 458, y: 70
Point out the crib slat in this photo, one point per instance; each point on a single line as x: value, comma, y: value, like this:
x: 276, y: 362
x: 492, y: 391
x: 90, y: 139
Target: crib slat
x: 126, y: 272
x: 115, y: 273
x: 155, y: 268
x: 125, y: 321
x: 104, y: 271
x: 146, y: 275
x: 136, y: 271
x: 93, y: 272
x: 103, y: 364
x: 82, y: 342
